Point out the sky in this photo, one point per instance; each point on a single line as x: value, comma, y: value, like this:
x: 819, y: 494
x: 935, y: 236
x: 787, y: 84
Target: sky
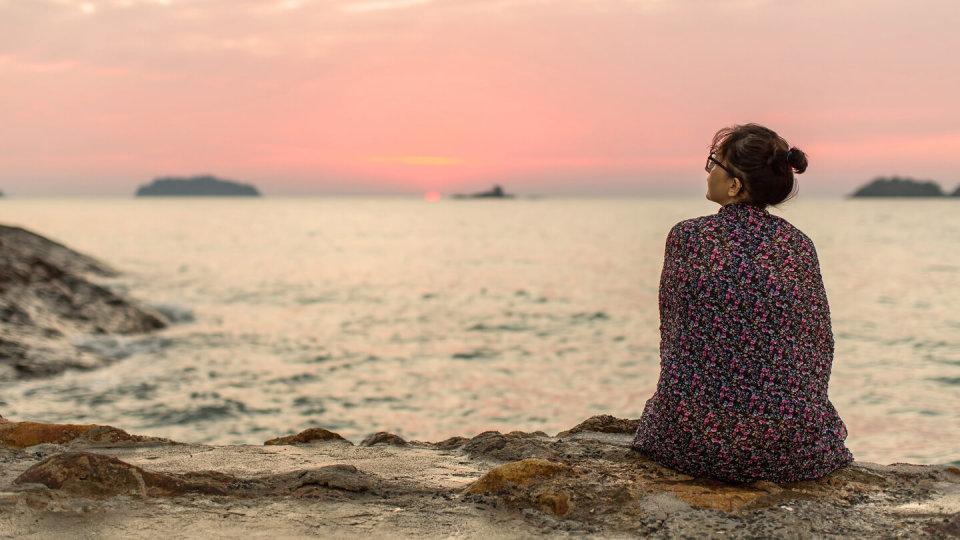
x: 617, y: 97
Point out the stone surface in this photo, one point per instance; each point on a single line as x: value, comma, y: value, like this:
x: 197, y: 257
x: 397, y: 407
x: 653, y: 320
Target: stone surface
x: 48, y: 300
x: 95, y: 475
x: 603, y: 423
x: 592, y: 484
x: 382, y: 437
x: 26, y: 434
x: 308, y: 436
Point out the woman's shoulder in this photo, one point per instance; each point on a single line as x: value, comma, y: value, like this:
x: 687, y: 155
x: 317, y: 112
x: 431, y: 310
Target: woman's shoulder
x: 710, y: 227
x: 789, y: 232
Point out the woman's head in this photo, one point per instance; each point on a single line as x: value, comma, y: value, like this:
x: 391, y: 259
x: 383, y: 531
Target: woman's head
x: 751, y: 163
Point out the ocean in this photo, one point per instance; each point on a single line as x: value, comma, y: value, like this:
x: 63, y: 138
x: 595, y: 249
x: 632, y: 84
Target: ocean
x: 435, y: 319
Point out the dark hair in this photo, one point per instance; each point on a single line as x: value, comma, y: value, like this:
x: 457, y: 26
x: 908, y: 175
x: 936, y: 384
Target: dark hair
x: 763, y: 161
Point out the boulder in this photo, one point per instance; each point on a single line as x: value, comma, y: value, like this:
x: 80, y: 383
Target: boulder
x: 26, y: 434
x: 603, y: 423
x: 95, y: 475
x: 308, y: 436
x: 48, y: 301
x: 382, y: 437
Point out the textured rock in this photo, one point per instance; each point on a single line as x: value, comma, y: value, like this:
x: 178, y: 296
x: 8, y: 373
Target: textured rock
x: 593, y: 485
x: 47, y: 301
x: 96, y: 475
x: 517, y: 474
x: 452, y: 443
x: 603, y: 423
x: 316, y: 482
x: 512, y: 446
x: 25, y: 434
x: 382, y: 437
x: 308, y: 436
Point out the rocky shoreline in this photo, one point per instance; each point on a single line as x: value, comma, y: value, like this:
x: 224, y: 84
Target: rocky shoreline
x: 51, y: 299
x: 88, y: 480
x: 92, y: 480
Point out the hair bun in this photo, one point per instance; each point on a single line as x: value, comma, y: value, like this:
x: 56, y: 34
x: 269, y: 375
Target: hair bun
x: 796, y: 160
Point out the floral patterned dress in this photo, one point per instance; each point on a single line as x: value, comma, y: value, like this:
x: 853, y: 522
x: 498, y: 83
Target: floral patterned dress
x: 746, y: 349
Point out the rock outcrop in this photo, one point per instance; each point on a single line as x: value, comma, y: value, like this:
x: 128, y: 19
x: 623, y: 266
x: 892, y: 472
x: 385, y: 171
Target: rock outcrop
x: 27, y: 434
x: 308, y: 436
x: 515, y: 484
x: 48, y: 299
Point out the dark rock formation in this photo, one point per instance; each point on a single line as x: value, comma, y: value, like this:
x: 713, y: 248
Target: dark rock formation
x: 899, y: 187
x: 47, y: 300
x: 382, y: 437
x: 452, y: 443
x: 82, y: 473
x: 495, y: 193
x: 308, y: 436
x: 314, y: 483
x: 956, y: 192
x: 512, y: 446
x: 196, y: 186
x: 26, y: 434
x: 603, y: 423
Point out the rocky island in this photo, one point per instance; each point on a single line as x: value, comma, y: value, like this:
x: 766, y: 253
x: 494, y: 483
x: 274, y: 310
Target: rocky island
x: 50, y: 298
x: 495, y: 193
x: 899, y: 187
x: 196, y: 186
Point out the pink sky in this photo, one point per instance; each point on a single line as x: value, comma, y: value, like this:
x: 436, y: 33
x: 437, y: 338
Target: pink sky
x: 406, y: 96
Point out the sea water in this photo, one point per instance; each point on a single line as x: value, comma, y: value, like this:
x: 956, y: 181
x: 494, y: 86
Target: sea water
x: 434, y: 319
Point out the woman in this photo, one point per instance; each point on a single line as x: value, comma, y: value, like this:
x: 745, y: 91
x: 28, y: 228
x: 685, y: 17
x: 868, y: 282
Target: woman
x: 746, y: 345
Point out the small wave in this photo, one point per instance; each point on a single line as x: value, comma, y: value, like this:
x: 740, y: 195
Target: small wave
x: 952, y: 381
x: 118, y: 348
x: 164, y: 415
x: 309, y: 300
x: 506, y: 327
x: 299, y: 378
x: 175, y: 313
x: 476, y: 354
x: 590, y: 316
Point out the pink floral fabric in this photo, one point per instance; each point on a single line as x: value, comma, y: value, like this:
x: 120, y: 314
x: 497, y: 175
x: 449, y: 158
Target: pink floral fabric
x: 746, y: 349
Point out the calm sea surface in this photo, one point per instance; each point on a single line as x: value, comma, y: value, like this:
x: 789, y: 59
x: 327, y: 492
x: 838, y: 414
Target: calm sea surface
x: 438, y: 319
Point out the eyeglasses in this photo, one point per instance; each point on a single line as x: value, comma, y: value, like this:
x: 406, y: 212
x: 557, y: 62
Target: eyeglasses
x: 712, y: 162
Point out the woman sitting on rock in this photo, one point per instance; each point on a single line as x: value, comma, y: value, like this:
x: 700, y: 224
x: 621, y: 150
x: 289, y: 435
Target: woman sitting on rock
x: 746, y: 344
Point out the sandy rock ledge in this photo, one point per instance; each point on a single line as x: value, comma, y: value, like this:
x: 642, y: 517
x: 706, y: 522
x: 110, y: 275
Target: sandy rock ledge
x: 83, y: 480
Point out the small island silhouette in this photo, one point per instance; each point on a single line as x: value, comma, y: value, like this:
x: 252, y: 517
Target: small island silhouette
x: 896, y: 186
x: 196, y: 186
x: 495, y: 193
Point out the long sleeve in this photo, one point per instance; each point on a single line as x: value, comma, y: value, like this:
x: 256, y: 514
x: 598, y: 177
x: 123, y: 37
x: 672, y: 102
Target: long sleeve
x: 745, y: 354
x: 671, y: 294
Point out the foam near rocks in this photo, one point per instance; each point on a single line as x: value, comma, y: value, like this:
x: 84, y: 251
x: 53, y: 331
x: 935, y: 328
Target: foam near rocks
x: 50, y: 303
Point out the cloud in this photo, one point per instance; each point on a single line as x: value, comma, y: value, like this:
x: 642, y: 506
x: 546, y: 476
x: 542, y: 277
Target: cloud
x: 381, y: 5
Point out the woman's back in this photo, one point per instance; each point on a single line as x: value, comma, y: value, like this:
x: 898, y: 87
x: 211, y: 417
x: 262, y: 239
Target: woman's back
x: 746, y: 352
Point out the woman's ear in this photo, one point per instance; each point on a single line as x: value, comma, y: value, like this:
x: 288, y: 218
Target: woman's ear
x: 736, y: 188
